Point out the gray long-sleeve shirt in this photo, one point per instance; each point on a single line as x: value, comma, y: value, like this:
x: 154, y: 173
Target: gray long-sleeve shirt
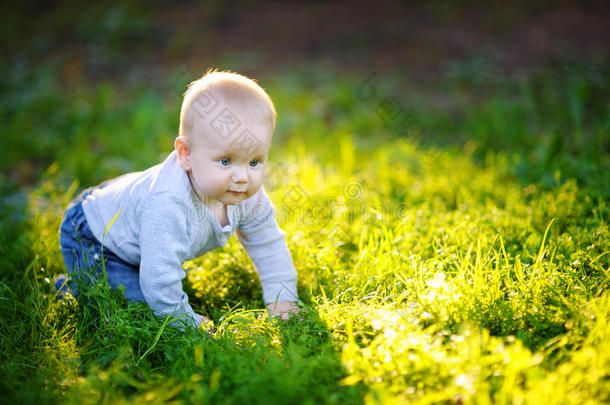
x: 162, y: 223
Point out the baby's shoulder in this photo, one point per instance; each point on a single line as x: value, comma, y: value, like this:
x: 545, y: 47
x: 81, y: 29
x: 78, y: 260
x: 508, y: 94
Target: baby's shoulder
x: 165, y: 201
x: 169, y: 178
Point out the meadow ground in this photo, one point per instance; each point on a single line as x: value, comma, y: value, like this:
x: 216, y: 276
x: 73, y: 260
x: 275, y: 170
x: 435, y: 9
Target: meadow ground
x: 445, y: 255
x: 451, y: 237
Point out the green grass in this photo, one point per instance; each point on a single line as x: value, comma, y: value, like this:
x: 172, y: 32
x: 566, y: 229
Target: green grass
x: 471, y: 269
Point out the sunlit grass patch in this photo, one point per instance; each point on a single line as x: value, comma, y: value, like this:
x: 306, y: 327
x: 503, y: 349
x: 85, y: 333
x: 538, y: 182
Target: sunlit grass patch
x: 427, y: 273
x: 445, y: 285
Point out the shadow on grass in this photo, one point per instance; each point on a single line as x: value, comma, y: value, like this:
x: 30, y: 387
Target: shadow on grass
x: 113, y: 350
x: 250, y: 359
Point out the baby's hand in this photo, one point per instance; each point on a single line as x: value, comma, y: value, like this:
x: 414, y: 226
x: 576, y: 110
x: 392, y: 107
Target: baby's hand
x: 283, y: 309
x: 206, y: 324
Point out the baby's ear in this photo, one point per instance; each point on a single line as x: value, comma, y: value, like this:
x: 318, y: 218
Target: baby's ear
x: 183, y: 152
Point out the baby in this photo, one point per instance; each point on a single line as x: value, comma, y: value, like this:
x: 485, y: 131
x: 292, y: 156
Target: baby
x: 209, y: 187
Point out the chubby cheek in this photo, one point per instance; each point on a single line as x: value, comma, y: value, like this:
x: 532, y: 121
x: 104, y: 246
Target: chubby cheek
x: 255, y: 183
x: 219, y: 182
x: 211, y: 181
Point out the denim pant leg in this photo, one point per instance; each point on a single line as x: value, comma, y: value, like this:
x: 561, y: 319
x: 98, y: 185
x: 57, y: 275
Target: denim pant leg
x: 82, y: 254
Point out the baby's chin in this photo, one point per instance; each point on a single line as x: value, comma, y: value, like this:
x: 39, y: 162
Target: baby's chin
x: 231, y: 198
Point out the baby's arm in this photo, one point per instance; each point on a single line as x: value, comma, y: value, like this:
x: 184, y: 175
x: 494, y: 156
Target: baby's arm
x: 163, y: 249
x: 264, y: 241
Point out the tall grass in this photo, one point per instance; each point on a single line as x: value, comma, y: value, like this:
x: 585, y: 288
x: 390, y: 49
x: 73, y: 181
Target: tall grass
x: 451, y: 272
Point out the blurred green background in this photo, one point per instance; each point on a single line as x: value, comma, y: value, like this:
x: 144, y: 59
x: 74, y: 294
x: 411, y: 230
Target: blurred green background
x: 530, y: 79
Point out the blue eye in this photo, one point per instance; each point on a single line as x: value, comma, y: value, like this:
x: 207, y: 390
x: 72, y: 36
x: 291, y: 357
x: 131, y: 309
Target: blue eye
x: 255, y: 162
x: 225, y: 161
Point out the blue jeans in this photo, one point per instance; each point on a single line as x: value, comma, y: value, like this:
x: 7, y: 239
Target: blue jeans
x: 82, y: 254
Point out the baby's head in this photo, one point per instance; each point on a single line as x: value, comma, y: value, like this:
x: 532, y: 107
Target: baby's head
x: 226, y: 126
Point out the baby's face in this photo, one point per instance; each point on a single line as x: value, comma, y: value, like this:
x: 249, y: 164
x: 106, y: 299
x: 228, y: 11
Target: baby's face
x: 229, y: 167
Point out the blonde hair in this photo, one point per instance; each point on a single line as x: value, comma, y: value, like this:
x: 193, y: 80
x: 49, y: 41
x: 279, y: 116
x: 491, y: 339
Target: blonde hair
x: 204, y: 98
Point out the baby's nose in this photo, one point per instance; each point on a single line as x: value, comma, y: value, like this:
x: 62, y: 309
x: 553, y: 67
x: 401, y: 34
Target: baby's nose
x: 240, y: 175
